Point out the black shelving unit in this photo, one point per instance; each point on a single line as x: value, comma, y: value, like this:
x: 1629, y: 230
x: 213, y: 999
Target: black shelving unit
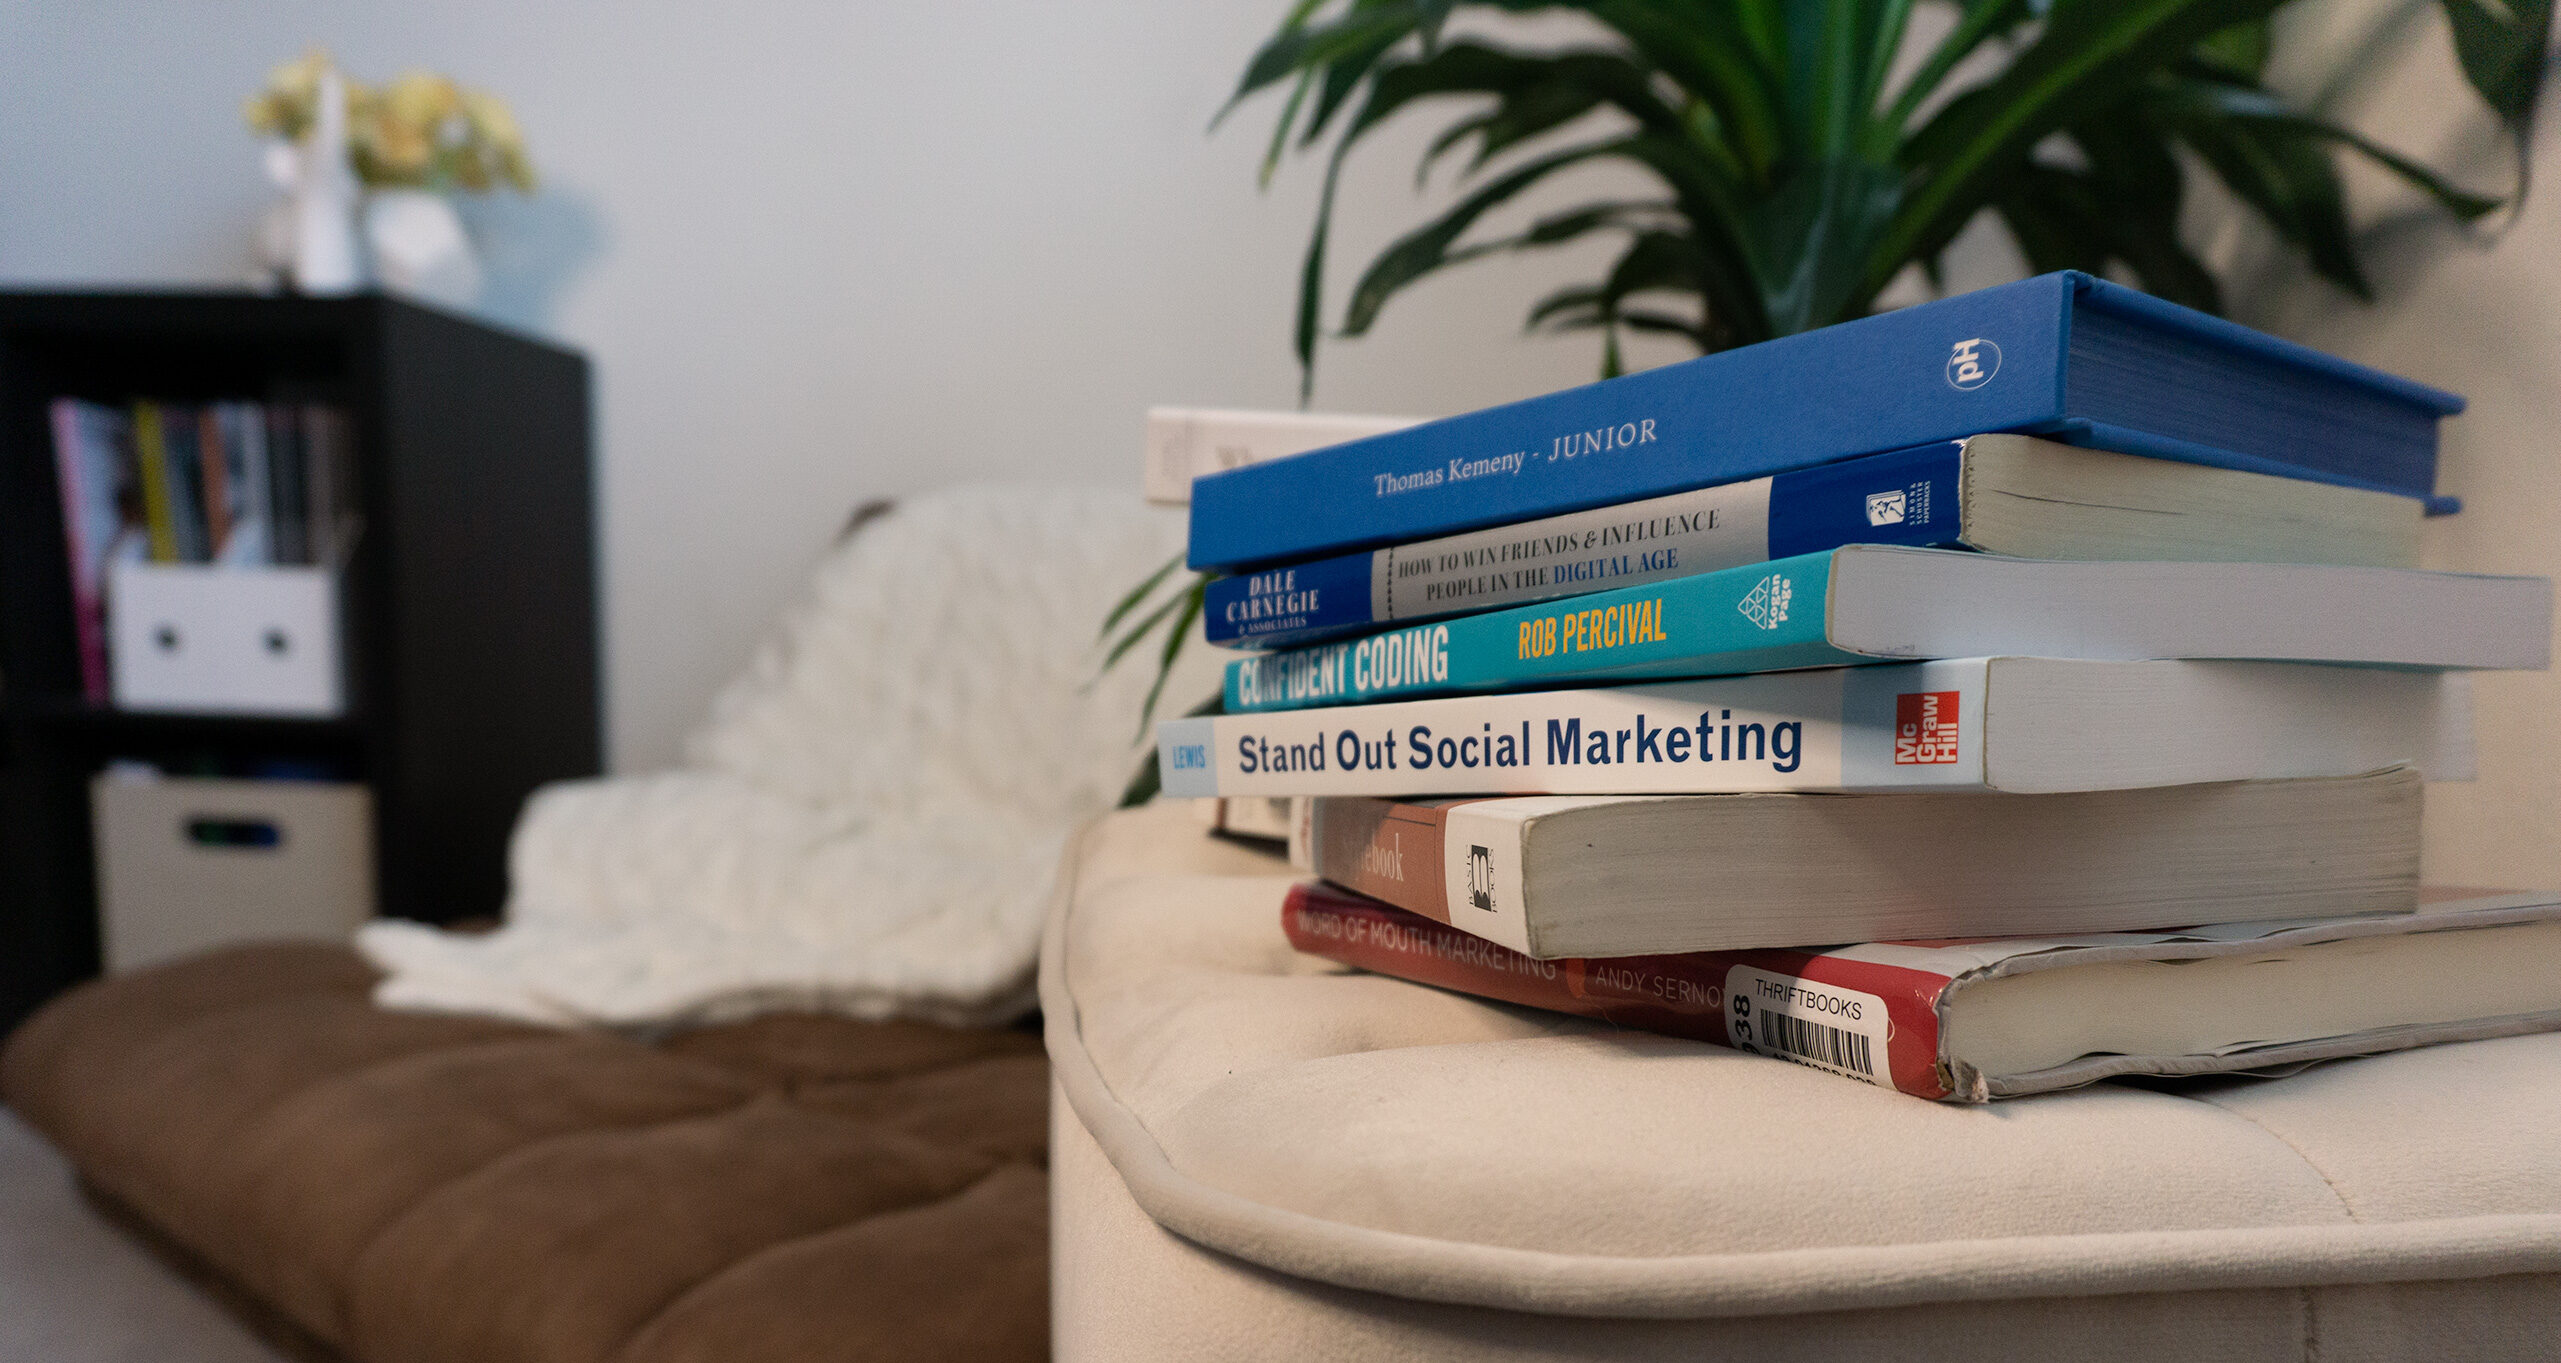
x: 470, y: 601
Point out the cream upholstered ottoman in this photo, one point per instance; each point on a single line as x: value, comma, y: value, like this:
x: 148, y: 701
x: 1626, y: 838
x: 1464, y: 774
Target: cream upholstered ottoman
x: 1261, y: 1155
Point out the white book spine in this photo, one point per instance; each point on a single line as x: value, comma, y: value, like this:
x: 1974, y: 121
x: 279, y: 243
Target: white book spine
x: 1680, y: 535
x: 2060, y: 726
x: 1770, y: 731
x: 1184, y: 443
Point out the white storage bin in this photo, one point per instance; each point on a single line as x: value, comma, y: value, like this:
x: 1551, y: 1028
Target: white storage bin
x: 186, y: 863
x: 225, y: 640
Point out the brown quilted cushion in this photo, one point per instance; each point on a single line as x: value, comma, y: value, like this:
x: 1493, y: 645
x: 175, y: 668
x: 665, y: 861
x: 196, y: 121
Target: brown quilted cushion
x: 423, y: 1189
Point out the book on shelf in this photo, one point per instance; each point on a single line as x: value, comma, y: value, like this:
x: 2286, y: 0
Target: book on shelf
x: 2005, y: 494
x: 153, y: 475
x: 288, y: 489
x: 2061, y: 725
x: 1184, y: 443
x: 2061, y: 355
x: 1629, y: 875
x: 1979, y: 1020
x: 92, y: 453
x: 1862, y: 603
x: 330, y: 522
x: 243, y: 431
x: 216, y: 458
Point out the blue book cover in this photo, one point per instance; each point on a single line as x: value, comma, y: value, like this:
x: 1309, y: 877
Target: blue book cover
x: 2062, y: 355
x: 1908, y: 497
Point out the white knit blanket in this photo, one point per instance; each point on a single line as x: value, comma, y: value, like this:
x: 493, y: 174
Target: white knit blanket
x: 869, y: 820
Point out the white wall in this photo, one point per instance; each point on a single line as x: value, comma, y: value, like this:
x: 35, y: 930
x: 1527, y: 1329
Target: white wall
x: 828, y: 251
x: 819, y: 251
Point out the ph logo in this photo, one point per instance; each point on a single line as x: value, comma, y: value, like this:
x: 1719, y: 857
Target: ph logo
x: 1972, y: 364
x: 1885, y: 508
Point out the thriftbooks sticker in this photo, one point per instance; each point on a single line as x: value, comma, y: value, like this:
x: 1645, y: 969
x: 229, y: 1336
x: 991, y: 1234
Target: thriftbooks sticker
x: 1827, y: 1027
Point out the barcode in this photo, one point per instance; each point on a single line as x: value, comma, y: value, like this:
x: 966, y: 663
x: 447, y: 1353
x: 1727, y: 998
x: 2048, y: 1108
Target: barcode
x: 1814, y: 1041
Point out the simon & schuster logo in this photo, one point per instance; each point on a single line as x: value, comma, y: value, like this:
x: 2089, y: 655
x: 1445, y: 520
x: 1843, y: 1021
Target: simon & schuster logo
x: 1972, y: 363
x: 1480, y: 877
x: 1924, y: 728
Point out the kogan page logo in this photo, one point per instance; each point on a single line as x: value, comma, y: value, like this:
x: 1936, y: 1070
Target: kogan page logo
x: 1973, y: 363
x: 1924, y: 728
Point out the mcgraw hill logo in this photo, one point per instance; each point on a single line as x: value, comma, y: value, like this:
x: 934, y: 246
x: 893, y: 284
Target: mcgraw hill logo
x: 1924, y: 728
x: 1480, y: 878
x: 1767, y: 604
x: 1972, y: 363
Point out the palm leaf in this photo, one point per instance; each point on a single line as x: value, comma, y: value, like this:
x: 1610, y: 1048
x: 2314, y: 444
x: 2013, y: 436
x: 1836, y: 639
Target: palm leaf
x: 2091, y: 54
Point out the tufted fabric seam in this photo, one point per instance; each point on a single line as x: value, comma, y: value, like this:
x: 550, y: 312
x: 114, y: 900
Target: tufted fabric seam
x: 2346, y: 1203
x: 683, y: 1294
x: 761, y: 1095
x: 344, y: 1299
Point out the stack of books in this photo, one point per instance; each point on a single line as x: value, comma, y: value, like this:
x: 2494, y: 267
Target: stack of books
x: 2027, y: 641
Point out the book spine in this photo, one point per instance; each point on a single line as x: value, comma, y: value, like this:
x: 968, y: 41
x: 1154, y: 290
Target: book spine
x: 1878, y: 1024
x: 252, y: 541
x: 215, y: 457
x: 82, y: 473
x: 1898, y: 726
x: 1757, y: 618
x: 1907, y: 497
x: 1880, y: 383
x: 151, y: 453
x: 186, y: 482
x: 1386, y: 849
x: 1186, y: 443
x: 1300, y: 603
x: 288, y: 504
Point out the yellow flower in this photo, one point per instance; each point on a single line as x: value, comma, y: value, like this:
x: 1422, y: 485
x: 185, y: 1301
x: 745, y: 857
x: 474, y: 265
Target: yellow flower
x: 420, y: 131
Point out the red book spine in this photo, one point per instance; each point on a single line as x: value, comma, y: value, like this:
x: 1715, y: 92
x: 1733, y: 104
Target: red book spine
x: 1855, y: 1018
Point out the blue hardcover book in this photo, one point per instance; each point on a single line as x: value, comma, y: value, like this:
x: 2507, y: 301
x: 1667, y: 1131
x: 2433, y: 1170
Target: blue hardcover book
x: 2062, y: 355
x: 1874, y: 603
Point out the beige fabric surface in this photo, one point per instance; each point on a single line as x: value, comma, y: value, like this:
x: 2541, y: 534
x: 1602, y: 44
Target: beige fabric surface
x: 1380, y: 1136
x: 1126, y: 1290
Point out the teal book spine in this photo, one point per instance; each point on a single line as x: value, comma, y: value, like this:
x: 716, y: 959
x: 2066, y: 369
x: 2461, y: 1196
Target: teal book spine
x: 1760, y: 617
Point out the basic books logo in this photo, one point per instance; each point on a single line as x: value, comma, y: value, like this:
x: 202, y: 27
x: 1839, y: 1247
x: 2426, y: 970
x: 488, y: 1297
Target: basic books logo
x: 1766, y: 606
x: 1924, y: 728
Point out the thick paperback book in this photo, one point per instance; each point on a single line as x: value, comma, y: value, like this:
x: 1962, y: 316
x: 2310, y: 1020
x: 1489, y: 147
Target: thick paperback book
x: 1622, y: 875
x: 2006, y: 494
x: 2061, y: 725
x: 1864, y: 603
x: 2062, y: 355
x: 2002, y: 1017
